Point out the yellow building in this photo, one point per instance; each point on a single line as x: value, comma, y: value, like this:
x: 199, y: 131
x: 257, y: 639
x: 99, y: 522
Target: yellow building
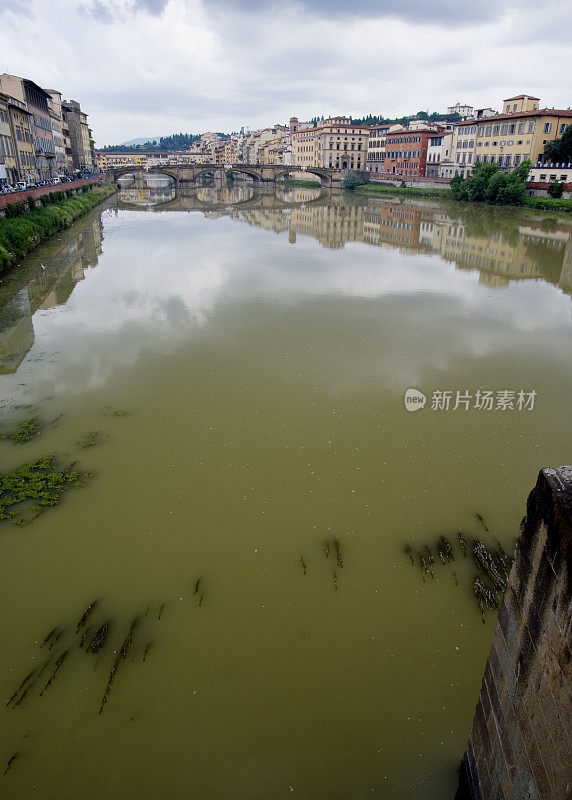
x: 16, y: 141
x: 333, y: 142
x: 106, y: 160
x: 509, y: 138
x: 9, y: 172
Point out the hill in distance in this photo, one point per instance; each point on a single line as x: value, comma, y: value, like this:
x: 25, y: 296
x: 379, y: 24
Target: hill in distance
x: 141, y: 140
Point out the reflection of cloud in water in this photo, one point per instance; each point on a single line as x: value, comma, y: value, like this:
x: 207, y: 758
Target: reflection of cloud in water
x: 163, y: 278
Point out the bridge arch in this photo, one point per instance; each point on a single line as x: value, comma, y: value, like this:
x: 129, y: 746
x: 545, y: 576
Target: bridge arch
x: 323, y: 174
x: 140, y: 172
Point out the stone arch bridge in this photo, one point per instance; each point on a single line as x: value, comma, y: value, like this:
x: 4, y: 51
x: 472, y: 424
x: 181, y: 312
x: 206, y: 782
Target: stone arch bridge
x: 260, y: 173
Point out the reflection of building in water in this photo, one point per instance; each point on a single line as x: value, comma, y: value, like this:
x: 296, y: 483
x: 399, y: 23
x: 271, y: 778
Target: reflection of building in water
x: 332, y: 226
x: 51, y: 284
x: 392, y: 224
x: 16, y: 332
x: 269, y: 220
x: 139, y: 194
x: 496, y: 245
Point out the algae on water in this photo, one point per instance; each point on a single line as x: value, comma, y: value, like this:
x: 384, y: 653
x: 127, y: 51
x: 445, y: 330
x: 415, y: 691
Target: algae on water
x: 27, y: 429
x: 33, y: 487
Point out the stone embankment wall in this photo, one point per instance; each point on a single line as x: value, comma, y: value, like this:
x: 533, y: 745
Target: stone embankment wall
x: 22, y: 197
x: 520, y: 747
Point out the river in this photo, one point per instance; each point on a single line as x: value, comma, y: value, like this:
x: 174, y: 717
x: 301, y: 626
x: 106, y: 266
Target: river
x: 230, y: 368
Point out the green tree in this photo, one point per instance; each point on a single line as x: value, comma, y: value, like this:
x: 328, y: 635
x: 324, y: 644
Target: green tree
x: 477, y: 184
x: 459, y: 188
x: 555, y: 189
x: 351, y: 180
x: 559, y: 151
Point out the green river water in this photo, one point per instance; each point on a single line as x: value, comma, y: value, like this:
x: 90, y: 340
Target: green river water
x: 240, y: 359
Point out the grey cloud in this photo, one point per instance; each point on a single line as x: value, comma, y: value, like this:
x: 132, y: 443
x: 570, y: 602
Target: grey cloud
x: 15, y: 6
x: 154, y: 7
x: 106, y: 12
x: 442, y: 12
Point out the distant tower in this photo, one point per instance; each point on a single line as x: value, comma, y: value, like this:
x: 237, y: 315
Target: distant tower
x: 293, y: 124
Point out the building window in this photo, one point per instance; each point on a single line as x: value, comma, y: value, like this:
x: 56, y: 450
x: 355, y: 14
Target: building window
x: 547, y: 127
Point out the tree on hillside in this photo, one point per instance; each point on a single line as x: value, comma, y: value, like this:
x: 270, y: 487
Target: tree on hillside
x: 559, y: 151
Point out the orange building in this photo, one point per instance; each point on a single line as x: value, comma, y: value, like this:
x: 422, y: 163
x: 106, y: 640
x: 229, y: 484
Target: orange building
x: 406, y: 152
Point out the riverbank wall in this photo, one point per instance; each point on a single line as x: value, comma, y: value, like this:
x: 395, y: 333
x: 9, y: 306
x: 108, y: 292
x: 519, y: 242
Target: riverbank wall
x: 22, y: 197
x: 520, y: 747
x: 21, y: 234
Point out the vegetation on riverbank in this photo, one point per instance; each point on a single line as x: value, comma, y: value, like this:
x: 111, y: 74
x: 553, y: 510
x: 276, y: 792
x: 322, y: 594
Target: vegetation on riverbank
x: 21, y: 232
x: 548, y: 204
x: 535, y: 203
x: 410, y: 191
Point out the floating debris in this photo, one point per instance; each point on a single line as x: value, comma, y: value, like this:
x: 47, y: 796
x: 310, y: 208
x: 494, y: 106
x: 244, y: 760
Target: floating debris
x: 98, y: 639
x: 463, y: 543
x: 339, y: 558
x: 488, y: 565
x: 484, y: 595
x: 84, y: 636
x: 430, y: 559
x: 56, y: 419
x: 114, y: 412
x: 504, y: 560
x: 10, y: 762
x: 49, y: 636
x: 201, y: 598
x: 482, y: 521
x: 197, y: 584
x: 409, y: 552
x: 59, y: 662
x: 91, y: 439
x: 121, y: 656
x: 455, y: 578
x: 327, y: 550
x: 15, y: 694
x: 303, y: 564
x: 146, y: 651
x: 445, y: 550
x: 27, y: 430
x: 161, y: 609
x: 335, y: 582
x: 84, y: 617
x: 55, y: 639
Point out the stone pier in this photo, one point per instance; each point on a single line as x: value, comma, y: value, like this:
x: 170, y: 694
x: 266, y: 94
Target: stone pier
x: 520, y: 747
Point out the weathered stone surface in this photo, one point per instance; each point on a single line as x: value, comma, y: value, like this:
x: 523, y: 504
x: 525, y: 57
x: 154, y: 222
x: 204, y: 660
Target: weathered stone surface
x: 520, y: 747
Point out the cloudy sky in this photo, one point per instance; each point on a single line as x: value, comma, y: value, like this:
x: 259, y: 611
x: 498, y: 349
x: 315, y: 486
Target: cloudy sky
x: 153, y: 67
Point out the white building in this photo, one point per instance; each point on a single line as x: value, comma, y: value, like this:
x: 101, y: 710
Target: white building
x: 462, y: 109
x: 439, y: 150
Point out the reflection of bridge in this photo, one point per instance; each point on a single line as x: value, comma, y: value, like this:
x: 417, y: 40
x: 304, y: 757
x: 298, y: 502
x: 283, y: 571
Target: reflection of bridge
x: 259, y: 173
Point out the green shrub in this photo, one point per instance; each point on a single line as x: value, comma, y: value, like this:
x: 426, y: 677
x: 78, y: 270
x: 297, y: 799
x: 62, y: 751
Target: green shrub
x: 31, y: 203
x: 555, y: 189
x: 14, y: 210
x: 351, y: 180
